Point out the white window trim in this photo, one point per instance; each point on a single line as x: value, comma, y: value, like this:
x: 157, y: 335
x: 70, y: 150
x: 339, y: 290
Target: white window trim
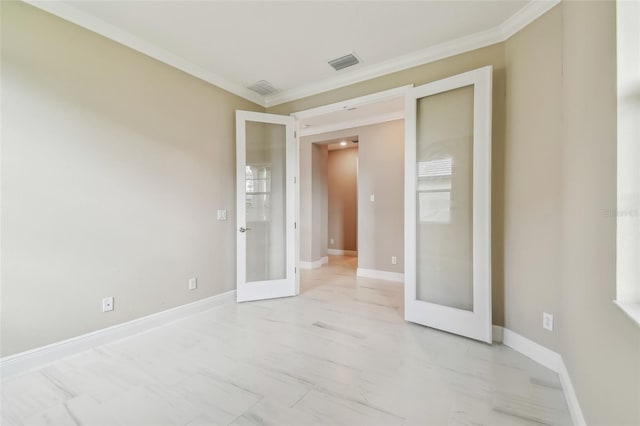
x: 627, y: 213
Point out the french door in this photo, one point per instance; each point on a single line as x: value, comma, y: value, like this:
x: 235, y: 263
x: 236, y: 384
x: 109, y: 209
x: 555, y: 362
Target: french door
x: 448, y: 204
x: 265, y: 213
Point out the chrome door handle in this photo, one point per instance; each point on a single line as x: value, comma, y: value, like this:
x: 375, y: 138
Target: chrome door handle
x: 244, y: 229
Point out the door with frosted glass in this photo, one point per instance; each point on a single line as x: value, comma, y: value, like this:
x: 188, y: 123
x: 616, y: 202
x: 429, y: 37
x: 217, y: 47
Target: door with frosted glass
x: 265, y: 218
x: 448, y: 204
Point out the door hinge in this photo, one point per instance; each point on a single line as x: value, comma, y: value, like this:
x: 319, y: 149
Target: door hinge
x: 295, y: 134
x: 294, y: 179
x: 295, y: 270
x: 295, y: 225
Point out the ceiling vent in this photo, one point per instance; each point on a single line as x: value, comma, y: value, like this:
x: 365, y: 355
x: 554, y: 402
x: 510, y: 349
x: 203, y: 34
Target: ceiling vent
x: 344, y: 62
x: 263, y: 87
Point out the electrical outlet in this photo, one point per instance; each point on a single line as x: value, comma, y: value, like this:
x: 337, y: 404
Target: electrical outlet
x: 107, y: 304
x: 547, y: 321
x: 372, y: 198
x: 394, y: 260
x: 193, y: 283
x: 331, y: 241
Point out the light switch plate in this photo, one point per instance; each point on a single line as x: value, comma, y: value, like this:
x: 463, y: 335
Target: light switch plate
x: 193, y: 283
x: 547, y: 321
x: 222, y: 215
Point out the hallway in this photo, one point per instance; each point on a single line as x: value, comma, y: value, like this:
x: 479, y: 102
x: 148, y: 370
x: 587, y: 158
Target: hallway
x: 340, y: 353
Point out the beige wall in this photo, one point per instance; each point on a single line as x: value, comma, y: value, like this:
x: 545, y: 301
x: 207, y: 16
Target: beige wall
x: 319, y: 215
x: 561, y: 180
x: 305, y: 201
x: 342, y: 191
x: 313, y: 202
x: 600, y: 345
x: 380, y: 223
x: 113, y: 166
x: 533, y: 184
x: 492, y: 55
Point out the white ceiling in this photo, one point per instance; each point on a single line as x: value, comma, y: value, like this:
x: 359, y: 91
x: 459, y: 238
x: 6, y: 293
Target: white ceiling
x: 235, y: 43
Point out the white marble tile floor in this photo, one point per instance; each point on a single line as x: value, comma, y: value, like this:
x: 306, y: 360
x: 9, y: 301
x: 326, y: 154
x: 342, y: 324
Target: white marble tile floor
x: 339, y: 354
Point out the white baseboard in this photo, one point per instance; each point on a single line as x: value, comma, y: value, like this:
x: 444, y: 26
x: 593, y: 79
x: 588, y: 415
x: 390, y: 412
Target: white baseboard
x: 340, y: 252
x: 571, y: 397
x: 380, y: 275
x: 553, y: 361
x: 497, y: 333
x: 315, y: 264
x: 550, y: 359
x: 34, y: 358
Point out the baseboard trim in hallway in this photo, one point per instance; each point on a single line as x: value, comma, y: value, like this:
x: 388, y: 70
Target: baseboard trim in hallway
x: 380, y: 275
x: 34, y: 358
x: 340, y: 252
x: 315, y: 264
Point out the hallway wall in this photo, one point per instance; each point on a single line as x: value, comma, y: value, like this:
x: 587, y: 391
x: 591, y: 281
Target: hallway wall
x: 319, y: 214
x: 380, y: 223
x: 342, y: 191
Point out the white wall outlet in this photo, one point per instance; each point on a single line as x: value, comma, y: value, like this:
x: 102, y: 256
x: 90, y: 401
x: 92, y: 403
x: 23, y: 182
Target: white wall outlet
x: 331, y: 241
x: 222, y: 215
x: 394, y: 260
x: 107, y: 304
x: 547, y: 321
x: 372, y: 198
x: 193, y: 283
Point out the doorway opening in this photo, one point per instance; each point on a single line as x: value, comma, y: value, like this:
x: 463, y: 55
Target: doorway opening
x: 342, y: 199
x: 351, y: 169
x: 444, y: 193
x: 333, y: 231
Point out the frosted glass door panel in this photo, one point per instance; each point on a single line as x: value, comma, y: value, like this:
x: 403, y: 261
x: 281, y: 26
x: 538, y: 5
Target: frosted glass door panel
x: 265, y: 202
x: 444, y: 198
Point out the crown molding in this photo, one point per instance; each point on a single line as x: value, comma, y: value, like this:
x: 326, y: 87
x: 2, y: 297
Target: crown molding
x: 420, y: 57
x: 78, y: 17
x: 526, y: 15
x: 523, y: 17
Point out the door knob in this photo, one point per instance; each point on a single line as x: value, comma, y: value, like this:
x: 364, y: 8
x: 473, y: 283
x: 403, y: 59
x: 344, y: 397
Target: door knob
x: 244, y: 229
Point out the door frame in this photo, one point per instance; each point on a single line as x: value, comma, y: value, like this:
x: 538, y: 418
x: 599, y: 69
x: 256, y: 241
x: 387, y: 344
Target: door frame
x: 397, y: 93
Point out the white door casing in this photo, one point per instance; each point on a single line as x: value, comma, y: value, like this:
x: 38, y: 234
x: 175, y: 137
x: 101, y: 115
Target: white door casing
x: 475, y: 322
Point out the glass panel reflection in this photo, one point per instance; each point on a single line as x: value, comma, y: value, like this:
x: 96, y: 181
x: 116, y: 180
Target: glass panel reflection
x: 265, y: 181
x: 444, y: 199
